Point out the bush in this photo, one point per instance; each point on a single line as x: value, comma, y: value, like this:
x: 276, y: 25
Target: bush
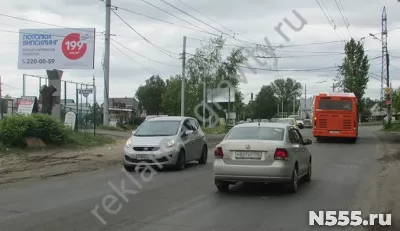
x: 16, y: 129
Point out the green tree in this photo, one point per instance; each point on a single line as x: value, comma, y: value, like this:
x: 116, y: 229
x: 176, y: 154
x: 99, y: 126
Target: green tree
x: 172, y: 96
x: 286, y: 91
x: 150, y: 95
x: 396, y: 100
x: 353, y: 73
x: 206, y: 64
x: 7, y: 96
x: 265, y: 103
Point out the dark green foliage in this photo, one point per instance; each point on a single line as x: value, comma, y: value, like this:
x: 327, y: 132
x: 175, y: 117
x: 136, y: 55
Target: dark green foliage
x: 16, y: 129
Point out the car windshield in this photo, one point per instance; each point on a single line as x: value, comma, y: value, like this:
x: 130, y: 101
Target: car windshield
x: 158, y: 128
x: 255, y: 133
x: 286, y: 121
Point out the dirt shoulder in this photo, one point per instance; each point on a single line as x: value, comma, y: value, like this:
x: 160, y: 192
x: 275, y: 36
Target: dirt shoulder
x: 381, y: 191
x: 44, y: 164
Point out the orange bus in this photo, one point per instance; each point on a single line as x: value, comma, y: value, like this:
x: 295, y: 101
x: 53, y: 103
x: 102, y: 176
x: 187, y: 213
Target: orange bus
x: 335, y: 115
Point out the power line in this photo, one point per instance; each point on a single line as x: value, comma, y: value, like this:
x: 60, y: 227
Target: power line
x: 344, y: 19
x: 234, y: 33
x: 133, y: 60
x: 171, y: 14
x: 222, y: 33
x: 43, y: 23
x: 273, y: 70
x: 206, y: 16
x: 143, y: 55
x: 344, y: 13
x: 329, y: 20
x: 144, y: 38
x: 164, y: 21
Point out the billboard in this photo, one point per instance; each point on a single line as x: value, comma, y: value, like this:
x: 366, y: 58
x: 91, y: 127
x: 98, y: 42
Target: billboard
x: 220, y: 95
x: 59, y: 48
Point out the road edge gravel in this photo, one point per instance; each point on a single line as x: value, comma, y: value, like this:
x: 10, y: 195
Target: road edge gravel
x: 380, y: 188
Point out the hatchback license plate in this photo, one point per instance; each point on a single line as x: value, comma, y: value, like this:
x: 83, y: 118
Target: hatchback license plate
x: 248, y: 155
x: 143, y: 157
x: 334, y: 132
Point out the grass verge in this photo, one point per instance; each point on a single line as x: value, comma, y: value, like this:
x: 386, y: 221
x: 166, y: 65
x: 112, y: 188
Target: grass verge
x: 216, y: 130
x: 76, y: 140
x: 393, y: 127
x: 87, y: 140
x: 110, y: 128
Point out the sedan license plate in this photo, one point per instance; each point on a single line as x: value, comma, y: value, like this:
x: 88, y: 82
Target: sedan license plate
x: 248, y: 155
x: 334, y: 132
x: 143, y: 157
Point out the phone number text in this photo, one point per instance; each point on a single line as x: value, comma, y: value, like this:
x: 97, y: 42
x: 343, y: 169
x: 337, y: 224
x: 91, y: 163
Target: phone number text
x: 38, y: 61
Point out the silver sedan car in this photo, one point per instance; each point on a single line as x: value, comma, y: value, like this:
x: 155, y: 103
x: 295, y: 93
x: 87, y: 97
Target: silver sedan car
x: 166, y: 141
x: 262, y: 152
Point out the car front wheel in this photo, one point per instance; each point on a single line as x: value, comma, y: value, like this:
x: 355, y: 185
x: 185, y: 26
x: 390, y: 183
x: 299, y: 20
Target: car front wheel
x: 222, y: 186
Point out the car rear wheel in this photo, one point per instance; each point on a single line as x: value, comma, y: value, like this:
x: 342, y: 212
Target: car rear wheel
x: 309, y: 171
x: 204, y: 155
x: 291, y: 186
x: 181, y: 161
x: 222, y: 186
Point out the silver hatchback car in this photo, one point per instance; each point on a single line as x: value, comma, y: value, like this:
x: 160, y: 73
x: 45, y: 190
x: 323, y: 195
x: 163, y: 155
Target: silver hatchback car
x: 262, y: 152
x: 166, y: 141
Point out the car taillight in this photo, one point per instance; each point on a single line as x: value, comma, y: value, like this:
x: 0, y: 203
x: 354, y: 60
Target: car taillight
x: 218, y: 152
x: 281, y: 154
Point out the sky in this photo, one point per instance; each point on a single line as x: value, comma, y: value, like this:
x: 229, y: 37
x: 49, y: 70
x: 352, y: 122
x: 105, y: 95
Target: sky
x: 308, y: 55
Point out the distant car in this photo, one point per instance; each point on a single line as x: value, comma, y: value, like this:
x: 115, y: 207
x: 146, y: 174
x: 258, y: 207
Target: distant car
x: 166, y: 141
x: 307, y: 123
x: 290, y: 121
x: 265, y: 152
x: 299, y: 121
x: 273, y: 120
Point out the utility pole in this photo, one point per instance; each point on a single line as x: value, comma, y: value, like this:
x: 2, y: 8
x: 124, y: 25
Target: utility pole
x: 183, y: 77
x: 107, y: 63
x: 385, y: 65
x: 1, y: 99
x: 94, y: 106
x: 333, y: 87
x: 204, y: 101
x: 305, y: 100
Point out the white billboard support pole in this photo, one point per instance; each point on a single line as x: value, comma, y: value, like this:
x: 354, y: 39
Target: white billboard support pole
x: 23, y: 84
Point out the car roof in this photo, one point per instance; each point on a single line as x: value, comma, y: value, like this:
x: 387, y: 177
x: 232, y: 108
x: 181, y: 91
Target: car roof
x: 168, y: 118
x: 263, y: 124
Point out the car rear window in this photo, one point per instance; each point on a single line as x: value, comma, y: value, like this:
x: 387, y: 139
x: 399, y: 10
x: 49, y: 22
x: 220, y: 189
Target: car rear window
x: 255, y: 133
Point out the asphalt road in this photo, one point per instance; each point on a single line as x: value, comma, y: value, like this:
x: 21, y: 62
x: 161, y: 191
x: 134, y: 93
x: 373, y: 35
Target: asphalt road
x: 188, y: 200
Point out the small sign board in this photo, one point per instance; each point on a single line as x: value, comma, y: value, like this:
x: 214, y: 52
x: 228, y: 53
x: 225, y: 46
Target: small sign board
x: 388, y: 90
x: 26, y: 104
x: 70, y: 120
x: 86, y: 92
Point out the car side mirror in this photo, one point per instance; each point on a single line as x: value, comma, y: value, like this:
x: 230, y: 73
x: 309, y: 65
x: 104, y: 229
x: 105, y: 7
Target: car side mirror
x: 307, y: 141
x: 186, y: 133
x: 133, y: 132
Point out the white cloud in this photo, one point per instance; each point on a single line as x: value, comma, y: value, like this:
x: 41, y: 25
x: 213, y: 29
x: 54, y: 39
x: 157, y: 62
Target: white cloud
x: 253, y: 20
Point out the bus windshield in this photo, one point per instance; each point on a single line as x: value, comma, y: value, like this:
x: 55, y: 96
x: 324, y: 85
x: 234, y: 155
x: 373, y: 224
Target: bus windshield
x: 342, y: 105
